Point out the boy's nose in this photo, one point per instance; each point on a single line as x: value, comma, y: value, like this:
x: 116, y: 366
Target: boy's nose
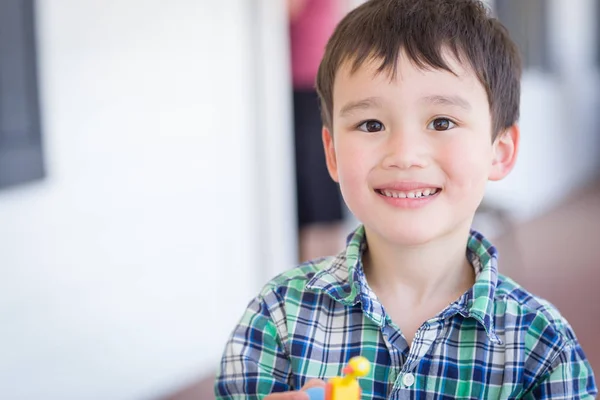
x: 404, y: 150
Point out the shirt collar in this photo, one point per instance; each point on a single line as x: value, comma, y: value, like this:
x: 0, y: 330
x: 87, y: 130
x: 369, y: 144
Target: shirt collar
x: 343, y: 279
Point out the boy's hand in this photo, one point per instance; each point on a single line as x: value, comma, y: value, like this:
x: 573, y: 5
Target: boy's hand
x: 297, y: 395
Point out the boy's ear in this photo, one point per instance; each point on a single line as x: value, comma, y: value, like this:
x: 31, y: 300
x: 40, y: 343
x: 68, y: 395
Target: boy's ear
x: 504, y: 153
x: 330, y: 154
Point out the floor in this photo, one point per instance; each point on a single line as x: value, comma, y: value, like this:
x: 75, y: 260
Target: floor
x: 556, y: 257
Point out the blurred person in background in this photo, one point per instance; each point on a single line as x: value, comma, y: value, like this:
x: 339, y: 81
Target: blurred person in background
x: 320, y: 214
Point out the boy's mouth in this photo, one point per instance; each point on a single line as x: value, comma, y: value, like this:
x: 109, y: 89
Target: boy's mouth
x: 412, y: 194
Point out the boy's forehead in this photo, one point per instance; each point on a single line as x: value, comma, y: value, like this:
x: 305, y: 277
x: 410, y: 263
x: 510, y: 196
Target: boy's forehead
x: 371, y: 76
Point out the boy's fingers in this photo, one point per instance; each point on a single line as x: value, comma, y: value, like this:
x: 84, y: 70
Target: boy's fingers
x: 313, y: 383
x: 298, y: 395
x: 288, y: 396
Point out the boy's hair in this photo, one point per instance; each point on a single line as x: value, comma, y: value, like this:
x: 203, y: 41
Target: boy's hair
x: 381, y: 29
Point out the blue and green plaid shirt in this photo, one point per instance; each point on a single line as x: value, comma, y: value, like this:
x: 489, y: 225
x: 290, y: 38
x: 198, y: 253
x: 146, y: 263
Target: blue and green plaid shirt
x: 497, y: 341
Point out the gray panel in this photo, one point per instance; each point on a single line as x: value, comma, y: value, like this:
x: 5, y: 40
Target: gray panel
x: 527, y: 22
x: 21, y: 158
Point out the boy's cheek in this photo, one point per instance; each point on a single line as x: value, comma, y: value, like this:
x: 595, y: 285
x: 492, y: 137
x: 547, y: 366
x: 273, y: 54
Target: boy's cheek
x: 467, y: 175
x: 351, y: 162
x: 350, y: 180
x: 467, y: 158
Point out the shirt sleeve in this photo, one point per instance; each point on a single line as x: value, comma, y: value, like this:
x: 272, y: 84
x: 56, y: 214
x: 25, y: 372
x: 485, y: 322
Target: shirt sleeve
x: 255, y: 362
x: 569, y: 377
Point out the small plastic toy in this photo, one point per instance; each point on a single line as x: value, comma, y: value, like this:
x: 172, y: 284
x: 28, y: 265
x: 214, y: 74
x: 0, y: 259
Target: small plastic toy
x: 343, y: 387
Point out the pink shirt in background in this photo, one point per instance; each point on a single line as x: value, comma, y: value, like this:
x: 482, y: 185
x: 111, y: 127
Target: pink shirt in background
x: 308, y: 36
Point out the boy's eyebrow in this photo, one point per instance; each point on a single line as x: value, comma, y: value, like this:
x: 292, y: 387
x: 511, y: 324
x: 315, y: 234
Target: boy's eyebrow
x: 369, y: 102
x: 448, y: 101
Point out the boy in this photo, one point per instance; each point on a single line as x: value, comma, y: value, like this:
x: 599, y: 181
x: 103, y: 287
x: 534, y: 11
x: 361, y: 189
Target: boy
x: 420, y: 102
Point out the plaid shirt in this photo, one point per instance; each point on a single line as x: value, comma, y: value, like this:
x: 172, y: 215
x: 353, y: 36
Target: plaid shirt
x: 497, y: 341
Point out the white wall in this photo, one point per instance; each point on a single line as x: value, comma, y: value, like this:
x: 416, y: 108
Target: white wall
x: 124, y: 271
x: 274, y: 137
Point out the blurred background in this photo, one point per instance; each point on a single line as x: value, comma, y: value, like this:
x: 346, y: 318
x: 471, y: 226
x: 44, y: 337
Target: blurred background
x: 147, y: 184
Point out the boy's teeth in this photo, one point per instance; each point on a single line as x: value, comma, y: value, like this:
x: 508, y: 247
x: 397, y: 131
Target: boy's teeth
x: 411, y: 195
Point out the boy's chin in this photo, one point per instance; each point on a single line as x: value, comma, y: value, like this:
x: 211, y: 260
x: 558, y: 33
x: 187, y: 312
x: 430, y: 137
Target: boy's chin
x: 409, y: 236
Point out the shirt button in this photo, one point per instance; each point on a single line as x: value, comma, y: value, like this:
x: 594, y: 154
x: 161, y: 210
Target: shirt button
x: 408, y: 380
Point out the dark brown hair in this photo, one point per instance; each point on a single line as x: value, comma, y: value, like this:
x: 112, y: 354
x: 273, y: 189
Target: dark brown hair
x: 381, y: 29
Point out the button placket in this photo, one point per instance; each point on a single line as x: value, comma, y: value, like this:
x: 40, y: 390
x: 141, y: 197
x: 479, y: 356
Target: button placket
x: 426, y: 337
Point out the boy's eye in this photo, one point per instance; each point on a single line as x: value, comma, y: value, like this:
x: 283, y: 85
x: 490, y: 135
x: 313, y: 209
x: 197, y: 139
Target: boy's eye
x: 441, y: 124
x: 371, y: 126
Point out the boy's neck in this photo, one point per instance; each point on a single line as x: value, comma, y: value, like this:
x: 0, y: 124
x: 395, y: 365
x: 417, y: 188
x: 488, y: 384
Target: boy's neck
x: 438, y: 269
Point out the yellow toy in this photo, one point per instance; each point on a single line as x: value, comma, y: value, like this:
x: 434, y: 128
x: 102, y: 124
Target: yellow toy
x: 343, y: 387
x: 346, y: 387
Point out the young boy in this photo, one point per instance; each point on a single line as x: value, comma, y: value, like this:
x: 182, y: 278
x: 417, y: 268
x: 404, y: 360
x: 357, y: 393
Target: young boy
x: 420, y: 101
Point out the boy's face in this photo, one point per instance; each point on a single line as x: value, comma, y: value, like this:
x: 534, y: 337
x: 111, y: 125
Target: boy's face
x: 413, y: 154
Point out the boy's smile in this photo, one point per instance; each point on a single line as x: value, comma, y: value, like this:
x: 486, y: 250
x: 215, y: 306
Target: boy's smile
x: 413, y: 153
x: 407, y: 194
